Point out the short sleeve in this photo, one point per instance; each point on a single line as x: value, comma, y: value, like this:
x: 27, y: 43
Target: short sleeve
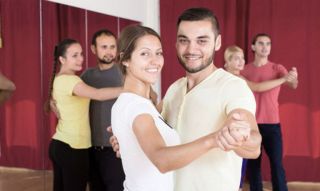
x: 134, y: 110
x: 66, y: 84
x: 280, y: 69
x: 239, y: 96
x: 84, y: 76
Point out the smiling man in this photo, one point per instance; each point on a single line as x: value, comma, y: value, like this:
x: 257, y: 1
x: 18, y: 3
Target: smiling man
x: 204, y: 101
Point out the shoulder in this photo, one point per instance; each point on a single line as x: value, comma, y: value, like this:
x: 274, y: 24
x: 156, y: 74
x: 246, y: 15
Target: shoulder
x: 225, y: 78
x: 66, y: 82
x: 247, y: 68
x: 131, y: 100
x: 277, y: 66
x: 174, y: 89
x: 88, y: 72
x: 68, y: 78
x: 178, y: 84
x: 132, y: 105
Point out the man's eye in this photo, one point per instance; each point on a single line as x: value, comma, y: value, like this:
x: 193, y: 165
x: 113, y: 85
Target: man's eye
x: 183, y: 41
x: 202, y: 41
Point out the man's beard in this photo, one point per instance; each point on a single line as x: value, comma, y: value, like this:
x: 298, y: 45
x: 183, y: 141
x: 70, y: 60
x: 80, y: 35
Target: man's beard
x: 203, y: 65
x: 103, y: 61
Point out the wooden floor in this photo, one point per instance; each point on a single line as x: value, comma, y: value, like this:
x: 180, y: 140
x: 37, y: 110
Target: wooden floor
x: 17, y: 179
x: 292, y: 186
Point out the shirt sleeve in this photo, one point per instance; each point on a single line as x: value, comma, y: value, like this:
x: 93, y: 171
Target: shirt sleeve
x: 84, y: 76
x: 239, y: 96
x: 137, y: 109
x: 281, y: 70
x: 66, y: 84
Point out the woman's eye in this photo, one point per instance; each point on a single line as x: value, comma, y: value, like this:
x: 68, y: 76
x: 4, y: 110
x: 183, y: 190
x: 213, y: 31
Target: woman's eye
x: 160, y: 53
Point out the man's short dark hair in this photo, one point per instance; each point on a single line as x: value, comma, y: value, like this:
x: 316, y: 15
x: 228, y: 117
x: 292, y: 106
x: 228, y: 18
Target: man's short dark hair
x: 199, y: 14
x: 254, y: 40
x: 99, y: 33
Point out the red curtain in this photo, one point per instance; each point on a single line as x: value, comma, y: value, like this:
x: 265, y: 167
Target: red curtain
x: 30, y: 30
x: 294, y: 26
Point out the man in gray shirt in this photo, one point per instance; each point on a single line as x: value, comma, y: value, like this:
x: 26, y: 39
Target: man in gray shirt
x: 106, y: 173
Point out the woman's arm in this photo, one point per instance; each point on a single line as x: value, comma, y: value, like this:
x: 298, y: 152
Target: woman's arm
x: 83, y: 90
x: 163, y: 157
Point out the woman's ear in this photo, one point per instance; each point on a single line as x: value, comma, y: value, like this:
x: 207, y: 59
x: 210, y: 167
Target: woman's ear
x: 126, y: 64
x: 62, y: 60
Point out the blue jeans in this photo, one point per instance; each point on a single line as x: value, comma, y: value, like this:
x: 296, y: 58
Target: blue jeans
x: 272, y: 143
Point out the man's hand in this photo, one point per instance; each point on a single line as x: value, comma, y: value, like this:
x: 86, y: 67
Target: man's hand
x: 292, y: 75
x: 114, y: 142
x: 292, y: 78
x: 234, y: 134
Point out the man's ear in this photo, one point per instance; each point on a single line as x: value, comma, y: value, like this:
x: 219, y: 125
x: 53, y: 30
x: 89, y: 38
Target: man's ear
x: 253, y: 48
x: 93, y: 49
x: 217, y: 43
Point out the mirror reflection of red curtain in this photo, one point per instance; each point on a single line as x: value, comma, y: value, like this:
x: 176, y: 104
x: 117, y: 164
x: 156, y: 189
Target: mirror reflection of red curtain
x: 294, y: 27
x: 30, y: 30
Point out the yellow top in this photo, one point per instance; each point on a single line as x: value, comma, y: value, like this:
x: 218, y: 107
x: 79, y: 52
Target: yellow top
x: 199, y: 112
x: 73, y: 126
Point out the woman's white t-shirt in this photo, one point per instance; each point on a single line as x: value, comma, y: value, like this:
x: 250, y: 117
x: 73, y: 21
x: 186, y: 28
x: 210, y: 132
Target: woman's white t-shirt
x: 141, y: 174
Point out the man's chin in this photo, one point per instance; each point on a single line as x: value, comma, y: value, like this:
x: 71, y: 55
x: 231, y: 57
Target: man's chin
x: 106, y: 63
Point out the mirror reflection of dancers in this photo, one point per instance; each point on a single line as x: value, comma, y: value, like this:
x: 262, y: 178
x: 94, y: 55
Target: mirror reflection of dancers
x: 69, y: 148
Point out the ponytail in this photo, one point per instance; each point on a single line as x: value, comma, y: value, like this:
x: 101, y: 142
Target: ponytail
x: 59, y: 50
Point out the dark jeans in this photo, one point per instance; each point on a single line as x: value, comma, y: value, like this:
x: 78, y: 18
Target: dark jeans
x: 243, y: 171
x: 70, y: 167
x: 106, y: 172
x: 272, y: 143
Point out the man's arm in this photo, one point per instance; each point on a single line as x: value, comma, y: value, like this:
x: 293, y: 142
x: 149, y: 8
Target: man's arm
x: 6, y: 84
x: 6, y: 88
x: 232, y: 139
x: 265, y: 85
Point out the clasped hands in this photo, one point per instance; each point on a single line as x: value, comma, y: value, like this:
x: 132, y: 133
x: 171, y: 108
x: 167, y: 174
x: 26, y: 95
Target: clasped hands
x: 233, y: 134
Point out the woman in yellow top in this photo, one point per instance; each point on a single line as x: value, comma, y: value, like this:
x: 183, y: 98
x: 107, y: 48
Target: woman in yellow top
x: 68, y: 149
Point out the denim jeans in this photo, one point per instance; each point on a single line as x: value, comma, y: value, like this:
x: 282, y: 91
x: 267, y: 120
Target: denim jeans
x: 272, y: 143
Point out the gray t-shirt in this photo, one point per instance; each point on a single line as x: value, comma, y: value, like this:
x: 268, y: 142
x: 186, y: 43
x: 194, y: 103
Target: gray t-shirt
x: 100, y: 111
